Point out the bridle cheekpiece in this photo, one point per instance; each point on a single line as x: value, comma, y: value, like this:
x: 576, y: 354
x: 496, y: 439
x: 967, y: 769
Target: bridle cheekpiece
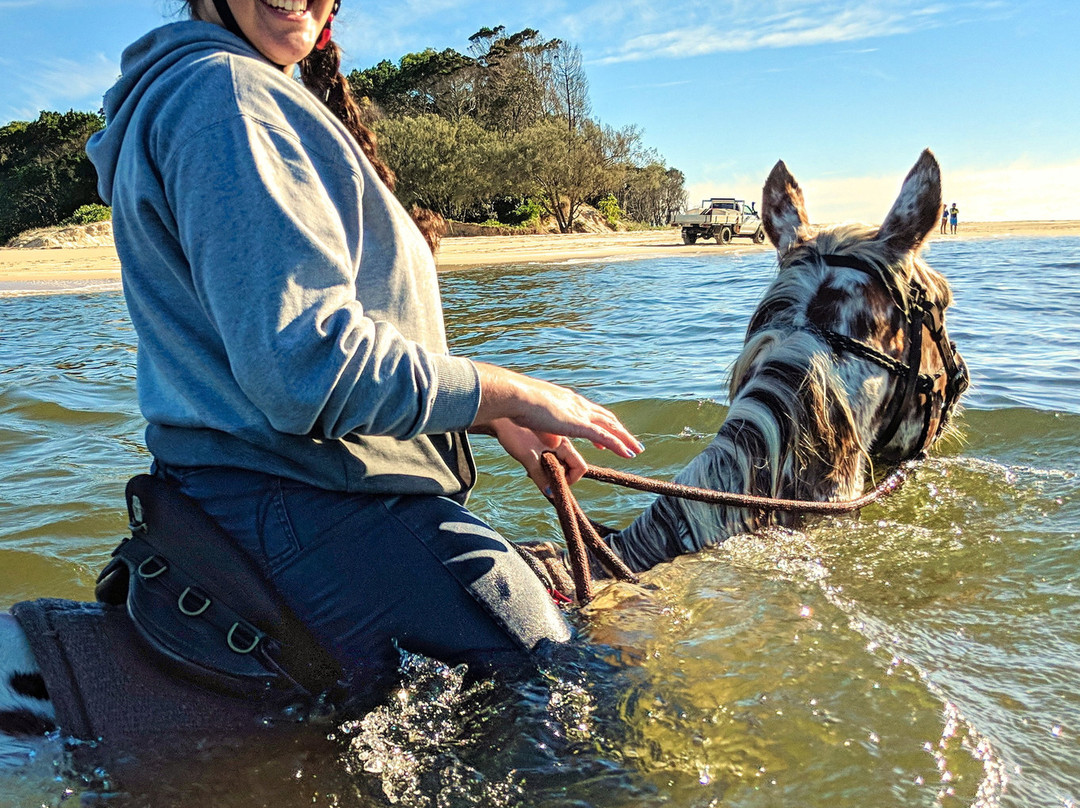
x: 920, y: 313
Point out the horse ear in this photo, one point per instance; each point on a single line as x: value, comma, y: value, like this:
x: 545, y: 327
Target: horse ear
x: 915, y: 212
x: 782, y: 209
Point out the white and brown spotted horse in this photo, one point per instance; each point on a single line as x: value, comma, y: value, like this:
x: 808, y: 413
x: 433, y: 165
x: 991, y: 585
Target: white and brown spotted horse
x: 846, y: 362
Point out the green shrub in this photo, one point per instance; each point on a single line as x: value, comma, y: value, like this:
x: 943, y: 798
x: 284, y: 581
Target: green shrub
x: 88, y: 214
x: 529, y: 211
x: 610, y: 210
x: 44, y: 171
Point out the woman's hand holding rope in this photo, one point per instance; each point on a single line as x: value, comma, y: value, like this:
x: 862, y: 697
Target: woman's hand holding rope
x: 529, y: 417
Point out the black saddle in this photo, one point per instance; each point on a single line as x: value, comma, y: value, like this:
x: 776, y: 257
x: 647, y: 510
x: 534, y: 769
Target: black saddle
x: 203, y: 607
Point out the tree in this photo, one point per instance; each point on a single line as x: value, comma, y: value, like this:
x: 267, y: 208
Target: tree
x: 421, y: 83
x: 474, y: 135
x: 511, y: 77
x: 445, y: 166
x: 45, y: 174
x: 568, y: 86
x: 653, y: 193
x: 564, y: 169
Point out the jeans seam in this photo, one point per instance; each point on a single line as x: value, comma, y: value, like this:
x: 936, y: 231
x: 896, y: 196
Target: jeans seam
x: 283, y: 559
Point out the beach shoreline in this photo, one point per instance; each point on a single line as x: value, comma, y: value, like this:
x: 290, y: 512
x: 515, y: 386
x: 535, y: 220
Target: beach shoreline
x: 72, y: 269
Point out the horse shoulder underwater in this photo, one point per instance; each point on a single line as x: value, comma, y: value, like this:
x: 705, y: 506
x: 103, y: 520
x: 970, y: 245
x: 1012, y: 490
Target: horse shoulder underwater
x: 846, y: 363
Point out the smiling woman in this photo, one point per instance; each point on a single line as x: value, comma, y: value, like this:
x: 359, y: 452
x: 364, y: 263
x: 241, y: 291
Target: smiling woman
x: 293, y: 365
x: 284, y: 31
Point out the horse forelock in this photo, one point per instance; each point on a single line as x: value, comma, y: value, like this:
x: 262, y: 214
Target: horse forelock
x: 788, y: 388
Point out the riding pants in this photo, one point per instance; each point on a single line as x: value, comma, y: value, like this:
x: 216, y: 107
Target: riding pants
x: 370, y: 574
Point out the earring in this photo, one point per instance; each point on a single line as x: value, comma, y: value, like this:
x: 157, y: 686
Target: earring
x: 324, y: 37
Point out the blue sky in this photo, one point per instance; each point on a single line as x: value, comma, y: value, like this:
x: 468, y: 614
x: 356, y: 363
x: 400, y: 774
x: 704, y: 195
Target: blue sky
x: 847, y: 93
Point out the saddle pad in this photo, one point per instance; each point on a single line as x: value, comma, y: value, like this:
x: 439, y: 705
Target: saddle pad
x: 104, y: 686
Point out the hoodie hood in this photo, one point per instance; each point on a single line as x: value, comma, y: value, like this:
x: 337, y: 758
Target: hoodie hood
x: 142, y: 64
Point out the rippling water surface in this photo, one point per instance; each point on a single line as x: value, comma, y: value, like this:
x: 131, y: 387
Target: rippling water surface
x: 924, y: 652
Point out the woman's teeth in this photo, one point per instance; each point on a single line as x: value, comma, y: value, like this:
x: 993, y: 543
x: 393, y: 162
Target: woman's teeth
x: 287, y: 5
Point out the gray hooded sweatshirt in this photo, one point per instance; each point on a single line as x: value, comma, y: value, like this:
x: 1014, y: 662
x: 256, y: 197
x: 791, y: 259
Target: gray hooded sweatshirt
x: 286, y: 306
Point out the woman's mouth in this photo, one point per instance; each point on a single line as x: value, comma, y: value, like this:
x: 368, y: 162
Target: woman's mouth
x: 289, y: 7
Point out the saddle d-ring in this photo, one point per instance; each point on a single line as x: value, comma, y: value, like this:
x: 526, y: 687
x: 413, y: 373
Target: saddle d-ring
x: 192, y: 612
x: 152, y: 573
x: 237, y: 648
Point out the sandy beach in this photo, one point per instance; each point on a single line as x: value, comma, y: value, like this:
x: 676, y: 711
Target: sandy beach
x: 41, y: 270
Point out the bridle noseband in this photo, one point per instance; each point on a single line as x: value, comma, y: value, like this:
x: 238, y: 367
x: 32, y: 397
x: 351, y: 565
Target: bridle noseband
x: 920, y: 314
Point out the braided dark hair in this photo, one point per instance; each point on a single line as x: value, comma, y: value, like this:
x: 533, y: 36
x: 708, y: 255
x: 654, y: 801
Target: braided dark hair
x: 321, y: 73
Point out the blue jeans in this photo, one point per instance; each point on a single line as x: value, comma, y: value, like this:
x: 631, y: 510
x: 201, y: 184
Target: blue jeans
x: 366, y: 572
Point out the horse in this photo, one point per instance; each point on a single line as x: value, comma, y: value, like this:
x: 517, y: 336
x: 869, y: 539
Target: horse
x: 835, y: 373
x: 846, y: 364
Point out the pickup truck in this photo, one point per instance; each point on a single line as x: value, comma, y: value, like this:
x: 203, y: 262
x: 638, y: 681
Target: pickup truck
x: 721, y: 218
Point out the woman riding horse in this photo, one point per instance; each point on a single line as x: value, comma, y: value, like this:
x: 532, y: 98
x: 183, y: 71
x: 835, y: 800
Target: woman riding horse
x: 846, y: 363
x: 292, y: 362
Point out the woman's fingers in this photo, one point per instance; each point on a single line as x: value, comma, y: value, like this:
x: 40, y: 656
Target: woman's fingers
x: 548, y: 408
x: 617, y: 437
x: 527, y: 447
x: 572, y: 461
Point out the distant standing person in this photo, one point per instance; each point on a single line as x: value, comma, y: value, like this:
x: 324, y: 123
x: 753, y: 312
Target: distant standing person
x: 954, y: 212
x: 944, y: 218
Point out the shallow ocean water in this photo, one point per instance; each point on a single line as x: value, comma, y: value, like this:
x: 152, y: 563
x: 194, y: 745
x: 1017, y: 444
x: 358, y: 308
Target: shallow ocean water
x: 922, y: 652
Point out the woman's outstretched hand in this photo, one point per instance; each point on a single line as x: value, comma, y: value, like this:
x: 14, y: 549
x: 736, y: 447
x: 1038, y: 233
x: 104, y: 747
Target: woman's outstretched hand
x: 530, y: 416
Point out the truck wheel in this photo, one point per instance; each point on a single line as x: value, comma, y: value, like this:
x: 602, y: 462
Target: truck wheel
x: 688, y: 237
x: 759, y: 236
x: 724, y: 236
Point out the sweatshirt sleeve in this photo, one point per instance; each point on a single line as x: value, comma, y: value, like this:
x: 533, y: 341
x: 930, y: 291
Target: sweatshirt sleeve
x: 274, y: 262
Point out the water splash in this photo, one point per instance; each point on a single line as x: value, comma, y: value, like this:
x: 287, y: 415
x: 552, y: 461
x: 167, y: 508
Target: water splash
x: 417, y: 745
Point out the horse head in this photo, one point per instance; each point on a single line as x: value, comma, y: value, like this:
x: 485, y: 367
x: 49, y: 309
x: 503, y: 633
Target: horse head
x: 878, y: 306
x: 846, y: 364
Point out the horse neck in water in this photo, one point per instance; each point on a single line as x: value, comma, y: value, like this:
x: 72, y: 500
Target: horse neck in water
x: 804, y: 417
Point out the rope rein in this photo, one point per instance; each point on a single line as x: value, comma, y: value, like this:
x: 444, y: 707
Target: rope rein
x: 583, y: 535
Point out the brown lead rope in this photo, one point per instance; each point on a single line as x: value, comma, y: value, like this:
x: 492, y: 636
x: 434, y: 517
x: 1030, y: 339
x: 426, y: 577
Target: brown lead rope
x: 582, y: 536
x: 886, y: 486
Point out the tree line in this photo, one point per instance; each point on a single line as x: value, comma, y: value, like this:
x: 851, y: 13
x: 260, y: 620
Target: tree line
x: 503, y: 133
x: 45, y: 175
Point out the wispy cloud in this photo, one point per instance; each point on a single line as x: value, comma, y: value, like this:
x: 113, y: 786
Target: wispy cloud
x: 777, y: 25
x: 636, y: 30
x: 58, y: 84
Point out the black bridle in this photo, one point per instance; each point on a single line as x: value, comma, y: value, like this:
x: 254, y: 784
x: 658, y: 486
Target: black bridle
x: 920, y: 314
